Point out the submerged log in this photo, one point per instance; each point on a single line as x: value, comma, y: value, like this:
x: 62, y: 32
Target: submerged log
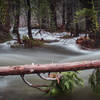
x: 44, y: 68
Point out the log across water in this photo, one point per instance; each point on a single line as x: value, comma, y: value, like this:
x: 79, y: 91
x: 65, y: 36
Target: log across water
x: 44, y: 68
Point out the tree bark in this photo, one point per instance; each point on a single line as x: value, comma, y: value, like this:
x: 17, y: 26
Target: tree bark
x: 53, y: 12
x: 89, y: 20
x: 44, y: 68
x: 63, y: 15
x: 5, y: 21
x: 7, y: 15
x: 29, y: 19
x: 16, y: 23
x: 76, y: 8
x: 69, y: 15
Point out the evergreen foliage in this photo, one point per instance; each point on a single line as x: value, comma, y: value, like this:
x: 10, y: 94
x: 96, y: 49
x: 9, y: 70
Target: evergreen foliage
x: 67, y: 83
x: 94, y: 81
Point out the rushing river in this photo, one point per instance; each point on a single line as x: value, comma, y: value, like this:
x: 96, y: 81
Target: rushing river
x: 13, y: 88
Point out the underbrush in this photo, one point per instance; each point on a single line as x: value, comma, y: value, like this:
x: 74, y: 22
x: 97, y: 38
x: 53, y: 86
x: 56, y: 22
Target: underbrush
x: 66, y: 37
x: 28, y: 43
x: 86, y: 42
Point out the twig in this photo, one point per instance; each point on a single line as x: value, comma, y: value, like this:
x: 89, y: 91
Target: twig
x: 34, y: 86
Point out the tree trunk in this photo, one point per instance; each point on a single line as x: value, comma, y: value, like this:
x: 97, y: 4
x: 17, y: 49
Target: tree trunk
x: 44, y: 68
x: 77, y: 30
x: 7, y: 15
x: 63, y: 15
x: 16, y: 23
x: 5, y: 21
x: 53, y: 12
x: 76, y: 8
x: 91, y: 19
x: 29, y: 19
x: 89, y: 22
x: 69, y: 12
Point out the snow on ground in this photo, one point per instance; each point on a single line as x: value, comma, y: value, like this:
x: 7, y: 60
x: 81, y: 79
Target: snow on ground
x: 64, y: 43
x: 42, y: 35
x: 68, y: 44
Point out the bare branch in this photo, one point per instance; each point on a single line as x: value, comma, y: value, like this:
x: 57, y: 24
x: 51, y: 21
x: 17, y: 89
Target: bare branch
x: 34, y: 86
x: 46, y: 78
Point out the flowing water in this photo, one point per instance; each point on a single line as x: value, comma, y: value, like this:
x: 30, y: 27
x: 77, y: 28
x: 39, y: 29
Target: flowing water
x: 13, y: 88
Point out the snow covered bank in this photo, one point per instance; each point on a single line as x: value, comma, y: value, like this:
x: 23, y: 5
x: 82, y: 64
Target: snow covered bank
x: 64, y: 43
x: 68, y: 44
x: 42, y: 35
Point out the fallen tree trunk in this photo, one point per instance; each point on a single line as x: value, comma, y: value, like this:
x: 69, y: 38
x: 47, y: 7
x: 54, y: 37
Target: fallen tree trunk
x: 44, y: 68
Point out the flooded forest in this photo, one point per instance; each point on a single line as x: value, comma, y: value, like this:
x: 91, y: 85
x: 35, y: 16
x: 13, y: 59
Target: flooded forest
x: 49, y: 49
